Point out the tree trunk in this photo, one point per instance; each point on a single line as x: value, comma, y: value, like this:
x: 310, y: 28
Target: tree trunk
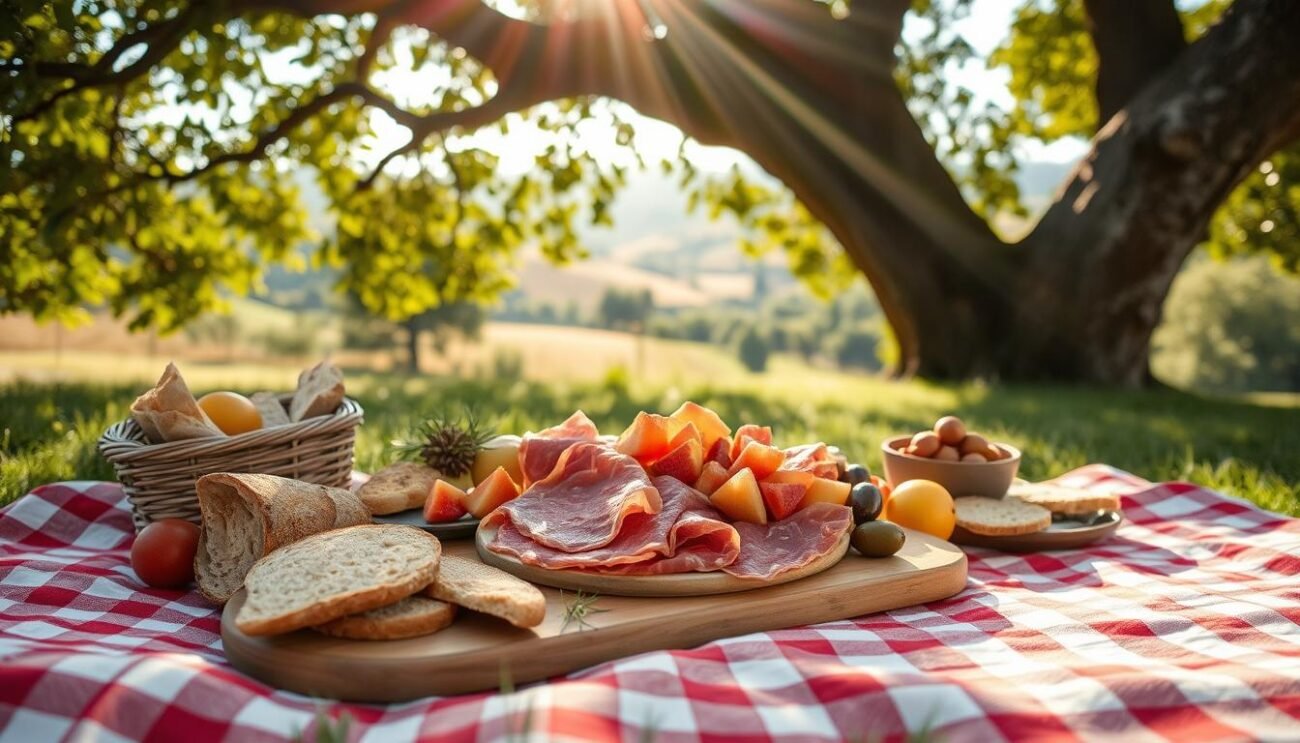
x: 412, y: 346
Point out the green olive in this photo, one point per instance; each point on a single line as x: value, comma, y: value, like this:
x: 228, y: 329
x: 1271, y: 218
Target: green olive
x: 877, y: 539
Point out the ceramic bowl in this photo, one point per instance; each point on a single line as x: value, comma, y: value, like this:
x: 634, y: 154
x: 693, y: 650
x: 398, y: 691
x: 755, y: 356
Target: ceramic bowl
x: 990, y: 479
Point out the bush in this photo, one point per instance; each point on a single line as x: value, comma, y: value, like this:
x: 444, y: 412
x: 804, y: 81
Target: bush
x: 753, y: 350
x: 854, y: 348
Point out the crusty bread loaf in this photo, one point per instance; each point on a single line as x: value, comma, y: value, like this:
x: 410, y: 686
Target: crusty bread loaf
x: 320, y: 390
x: 398, y: 487
x: 480, y: 587
x: 412, y: 616
x: 246, y: 516
x: 326, y: 576
x: 168, y: 412
x: 272, y: 410
x: 1000, y: 517
x: 1069, y: 501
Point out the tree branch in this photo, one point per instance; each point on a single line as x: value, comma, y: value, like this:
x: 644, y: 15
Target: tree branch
x: 1135, y: 41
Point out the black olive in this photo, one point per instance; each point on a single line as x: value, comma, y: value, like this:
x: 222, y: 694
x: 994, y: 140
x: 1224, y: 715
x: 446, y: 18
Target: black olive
x: 877, y: 539
x: 854, y: 474
x: 867, y: 502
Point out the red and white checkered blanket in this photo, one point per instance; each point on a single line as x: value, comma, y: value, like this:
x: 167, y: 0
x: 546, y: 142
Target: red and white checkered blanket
x: 1185, y: 626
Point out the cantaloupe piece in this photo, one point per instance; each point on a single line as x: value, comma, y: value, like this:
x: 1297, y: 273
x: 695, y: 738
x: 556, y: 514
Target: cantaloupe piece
x: 708, y: 423
x: 711, y: 478
x: 498, y: 488
x: 685, y: 462
x: 799, y: 477
x: 502, y: 451
x: 720, y: 452
x: 745, y: 434
x: 740, y: 498
x: 687, y: 432
x: 446, y: 502
x: 826, y: 491
x: 762, y: 459
x: 647, y: 438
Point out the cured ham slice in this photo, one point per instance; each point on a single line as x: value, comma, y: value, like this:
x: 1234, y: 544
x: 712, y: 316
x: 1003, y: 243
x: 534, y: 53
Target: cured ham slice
x: 768, y: 550
x: 814, y: 458
x: 540, y: 451
x: 686, y: 534
x: 583, y: 503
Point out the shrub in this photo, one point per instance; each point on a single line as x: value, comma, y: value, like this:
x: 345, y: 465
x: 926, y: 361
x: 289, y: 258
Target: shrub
x: 753, y: 350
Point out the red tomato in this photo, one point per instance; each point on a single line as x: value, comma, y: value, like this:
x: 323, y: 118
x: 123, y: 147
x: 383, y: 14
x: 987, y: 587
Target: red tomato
x: 163, y: 553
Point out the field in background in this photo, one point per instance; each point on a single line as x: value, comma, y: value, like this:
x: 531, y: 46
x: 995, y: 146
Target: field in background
x: 48, y: 427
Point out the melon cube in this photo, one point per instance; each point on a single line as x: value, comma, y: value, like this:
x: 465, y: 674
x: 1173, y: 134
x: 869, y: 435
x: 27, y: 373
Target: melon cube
x: 707, y: 422
x: 688, y: 432
x: 711, y: 478
x: 823, y: 490
x: 684, y: 462
x: 740, y: 498
x: 720, y: 452
x: 782, y: 498
x: 762, y: 459
x: 446, y: 502
x: 497, y: 489
x: 749, y: 432
x: 647, y: 438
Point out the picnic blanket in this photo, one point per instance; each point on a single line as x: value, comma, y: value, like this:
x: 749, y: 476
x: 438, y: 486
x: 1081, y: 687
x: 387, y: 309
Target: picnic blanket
x: 1184, y: 626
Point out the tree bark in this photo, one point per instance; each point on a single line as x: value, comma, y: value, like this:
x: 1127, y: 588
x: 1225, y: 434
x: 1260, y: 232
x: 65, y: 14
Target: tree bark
x: 412, y: 328
x: 812, y: 100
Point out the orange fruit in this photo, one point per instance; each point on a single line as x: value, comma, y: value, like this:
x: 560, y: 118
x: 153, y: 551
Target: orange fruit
x: 923, y: 505
x: 232, y: 412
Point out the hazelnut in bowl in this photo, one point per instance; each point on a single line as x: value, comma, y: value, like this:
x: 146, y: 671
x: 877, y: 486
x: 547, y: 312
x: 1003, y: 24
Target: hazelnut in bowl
x: 964, y: 463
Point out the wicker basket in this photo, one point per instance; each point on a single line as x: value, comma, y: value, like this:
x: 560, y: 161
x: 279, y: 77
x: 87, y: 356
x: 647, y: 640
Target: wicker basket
x: 159, y: 478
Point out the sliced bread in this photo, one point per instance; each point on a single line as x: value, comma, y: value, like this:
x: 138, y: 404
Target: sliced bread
x: 412, y: 616
x: 247, y: 516
x: 168, y: 412
x: 400, y: 486
x: 272, y: 410
x: 1004, y: 517
x: 483, y: 588
x: 1068, y: 501
x: 320, y: 390
x: 334, y: 574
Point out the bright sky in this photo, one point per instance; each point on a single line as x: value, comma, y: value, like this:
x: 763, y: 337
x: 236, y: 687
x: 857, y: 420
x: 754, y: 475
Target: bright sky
x: 986, y: 26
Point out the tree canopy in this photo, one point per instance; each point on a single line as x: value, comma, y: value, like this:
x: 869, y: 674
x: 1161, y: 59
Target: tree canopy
x: 155, y: 151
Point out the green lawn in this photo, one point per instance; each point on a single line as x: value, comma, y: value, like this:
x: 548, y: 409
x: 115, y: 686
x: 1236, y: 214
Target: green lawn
x: 48, y: 431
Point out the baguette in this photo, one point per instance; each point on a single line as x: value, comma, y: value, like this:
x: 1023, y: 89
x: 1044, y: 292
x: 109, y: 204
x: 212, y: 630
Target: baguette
x: 320, y: 390
x: 273, y: 412
x: 331, y: 575
x: 168, y: 412
x: 247, y: 516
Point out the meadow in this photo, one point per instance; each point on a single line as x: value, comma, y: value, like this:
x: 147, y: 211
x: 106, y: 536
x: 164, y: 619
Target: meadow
x: 51, y: 416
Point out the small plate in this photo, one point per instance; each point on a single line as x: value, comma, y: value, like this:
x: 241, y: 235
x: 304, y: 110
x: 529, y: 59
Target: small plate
x: 463, y: 529
x: 1065, y: 533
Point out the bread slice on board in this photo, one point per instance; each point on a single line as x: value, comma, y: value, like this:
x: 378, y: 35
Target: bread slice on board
x: 168, y: 412
x: 1069, y: 501
x: 334, y: 574
x: 1001, y: 518
x: 412, y: 616
x: 272, y: 410
x: 398, y: 487
x: 247, y: 516
x: 480, y: 587
x: 320, y: 390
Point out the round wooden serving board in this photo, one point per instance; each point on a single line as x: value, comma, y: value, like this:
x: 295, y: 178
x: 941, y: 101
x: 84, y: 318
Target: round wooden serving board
x: 477, y: 651
x: 680, y: 584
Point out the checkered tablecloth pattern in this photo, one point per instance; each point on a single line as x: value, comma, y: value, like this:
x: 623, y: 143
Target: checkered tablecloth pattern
x: 1185, y: 626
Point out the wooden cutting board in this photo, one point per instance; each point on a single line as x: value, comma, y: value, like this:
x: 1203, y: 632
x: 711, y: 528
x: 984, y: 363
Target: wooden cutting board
x: 478, y: 652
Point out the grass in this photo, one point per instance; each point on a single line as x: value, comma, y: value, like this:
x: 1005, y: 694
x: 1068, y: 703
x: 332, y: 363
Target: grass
x: 48, y: 430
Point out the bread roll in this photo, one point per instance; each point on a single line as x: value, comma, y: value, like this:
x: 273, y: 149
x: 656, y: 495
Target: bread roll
x: 168, y: 412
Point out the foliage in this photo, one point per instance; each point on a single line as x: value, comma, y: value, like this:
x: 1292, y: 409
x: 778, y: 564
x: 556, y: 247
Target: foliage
x: 752, y: 349
x: 1244, y: 449
x: 1231, y: 326
x: 625, y: 310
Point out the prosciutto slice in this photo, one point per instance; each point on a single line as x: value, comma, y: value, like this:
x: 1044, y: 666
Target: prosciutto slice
x: 686, y: 534
x: 768, y: 550
x: 539, y: 452
x: 814, y: 458
x: 584, y: 502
